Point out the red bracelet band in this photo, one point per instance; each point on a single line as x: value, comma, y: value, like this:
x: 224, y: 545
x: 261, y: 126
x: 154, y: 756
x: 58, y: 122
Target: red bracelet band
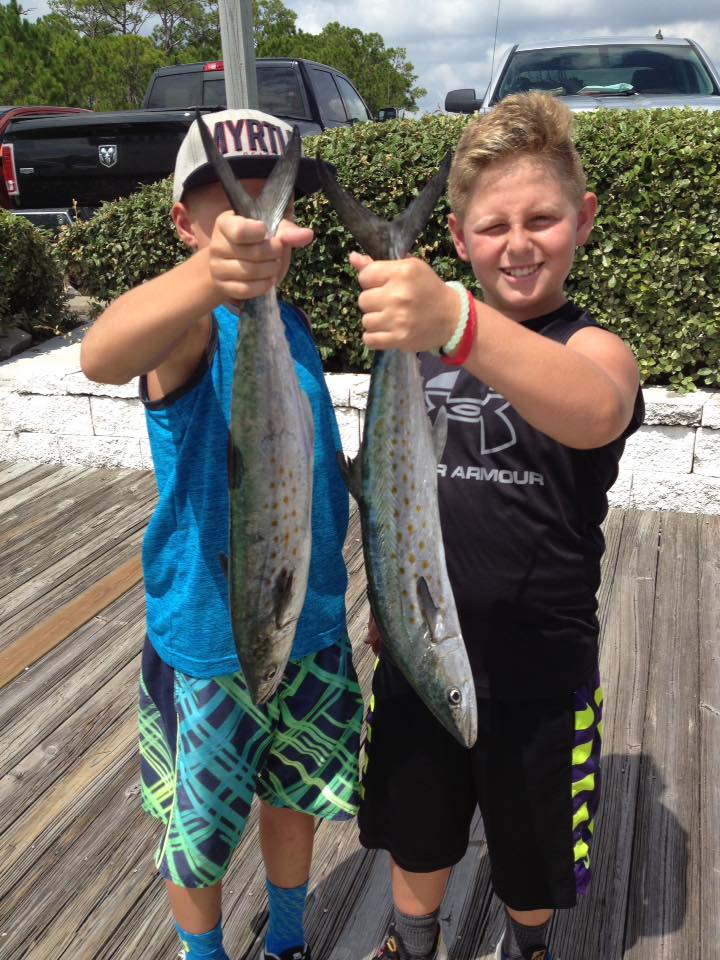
x: 468, y: 338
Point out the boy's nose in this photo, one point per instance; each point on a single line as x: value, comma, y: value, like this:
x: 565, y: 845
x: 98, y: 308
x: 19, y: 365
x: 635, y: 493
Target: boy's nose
x: 518, y: 240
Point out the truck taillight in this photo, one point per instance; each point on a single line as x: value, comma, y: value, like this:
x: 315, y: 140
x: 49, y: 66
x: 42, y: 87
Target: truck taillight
x: 214, y: 65
x: 8, y: 169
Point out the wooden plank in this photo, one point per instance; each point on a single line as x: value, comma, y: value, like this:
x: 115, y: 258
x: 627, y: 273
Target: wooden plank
x: 58, y: 686
x: 709, y: 630
x: 47, y: 635
x: 67, y: 516
x: 51, y: 759
x: 38, y: 593
x: 664, y: 903
x: 596, y: 927
x: 30, y: 484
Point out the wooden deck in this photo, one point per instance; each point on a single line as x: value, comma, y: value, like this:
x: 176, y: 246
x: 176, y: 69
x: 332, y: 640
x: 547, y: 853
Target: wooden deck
x: 76, y: 852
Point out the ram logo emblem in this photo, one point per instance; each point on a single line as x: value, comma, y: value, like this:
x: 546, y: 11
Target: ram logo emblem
x: 108, y: 154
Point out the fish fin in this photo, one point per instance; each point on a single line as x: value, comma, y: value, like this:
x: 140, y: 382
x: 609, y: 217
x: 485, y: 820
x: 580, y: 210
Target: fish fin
x: 282, y: 594
x: 350, y: 469
x: 272, y: 203
x: 225, y: 564
x: 379, y: 238
x: 236, y: 465
x: 430, y: 610
x: 439, y: 432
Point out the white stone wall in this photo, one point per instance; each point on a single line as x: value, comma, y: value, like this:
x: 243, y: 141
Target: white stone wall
x: 49, y: 412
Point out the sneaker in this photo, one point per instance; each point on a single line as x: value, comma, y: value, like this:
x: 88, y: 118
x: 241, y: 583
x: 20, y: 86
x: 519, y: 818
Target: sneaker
x: 394, y: 949
x: 292, y: 953
x: 540, y: 953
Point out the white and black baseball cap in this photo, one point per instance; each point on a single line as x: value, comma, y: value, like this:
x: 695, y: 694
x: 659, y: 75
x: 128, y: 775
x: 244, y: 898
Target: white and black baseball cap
x: 250, y: 140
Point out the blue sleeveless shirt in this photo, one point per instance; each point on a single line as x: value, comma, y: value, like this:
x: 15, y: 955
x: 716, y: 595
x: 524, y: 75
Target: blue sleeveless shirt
x: 188, y: 615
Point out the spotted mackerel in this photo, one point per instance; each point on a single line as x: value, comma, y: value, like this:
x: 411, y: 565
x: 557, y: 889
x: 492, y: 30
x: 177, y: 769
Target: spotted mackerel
x: 270, y: 460
x: 394, y: 480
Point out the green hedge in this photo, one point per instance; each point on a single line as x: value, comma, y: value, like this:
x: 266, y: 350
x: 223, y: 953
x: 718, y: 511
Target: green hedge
x: 651, y: 271
x: 31, y: 282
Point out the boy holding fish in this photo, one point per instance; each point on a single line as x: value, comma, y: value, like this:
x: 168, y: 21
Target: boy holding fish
x: 539, y: 400
x: 212, y: 736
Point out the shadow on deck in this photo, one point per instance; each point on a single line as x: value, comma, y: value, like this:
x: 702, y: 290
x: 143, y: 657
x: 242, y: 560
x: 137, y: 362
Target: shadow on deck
x: 76, y: 870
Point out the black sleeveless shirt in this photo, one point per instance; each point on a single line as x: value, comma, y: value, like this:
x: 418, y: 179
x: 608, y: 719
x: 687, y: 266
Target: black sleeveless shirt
x: 521, y: 517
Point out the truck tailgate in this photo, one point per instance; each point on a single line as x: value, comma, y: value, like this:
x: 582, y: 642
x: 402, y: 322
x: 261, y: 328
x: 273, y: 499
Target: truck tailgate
x: 78, y: 159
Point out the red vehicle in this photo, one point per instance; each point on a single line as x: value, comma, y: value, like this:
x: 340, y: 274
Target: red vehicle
x: 7, y: 163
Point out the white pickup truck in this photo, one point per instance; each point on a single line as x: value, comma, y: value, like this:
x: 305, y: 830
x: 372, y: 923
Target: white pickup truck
x: 618, y: 72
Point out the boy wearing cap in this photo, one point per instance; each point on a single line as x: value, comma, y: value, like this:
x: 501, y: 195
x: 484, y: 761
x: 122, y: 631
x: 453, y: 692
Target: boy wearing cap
x: 205, y: 748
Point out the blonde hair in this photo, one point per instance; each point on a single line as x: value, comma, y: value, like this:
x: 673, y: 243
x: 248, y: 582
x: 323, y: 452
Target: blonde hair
x: 534, y: 125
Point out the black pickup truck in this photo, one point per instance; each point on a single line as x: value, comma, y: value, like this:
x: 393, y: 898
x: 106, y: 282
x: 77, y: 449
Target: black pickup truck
x: 60, y: 167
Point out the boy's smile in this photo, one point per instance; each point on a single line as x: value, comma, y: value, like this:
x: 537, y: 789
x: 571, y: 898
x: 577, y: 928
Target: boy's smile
x: 519, y: 233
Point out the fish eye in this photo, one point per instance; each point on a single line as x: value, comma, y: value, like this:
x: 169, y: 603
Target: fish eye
x: 269, y: 675
x: 454, y: 697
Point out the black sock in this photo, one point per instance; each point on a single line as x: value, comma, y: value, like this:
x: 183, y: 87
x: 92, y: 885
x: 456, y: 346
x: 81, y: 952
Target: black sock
x: 524, y: 943
x: 418, y: 934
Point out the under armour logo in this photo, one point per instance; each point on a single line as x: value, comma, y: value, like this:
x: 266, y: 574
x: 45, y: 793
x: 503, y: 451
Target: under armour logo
x: 496, y: 430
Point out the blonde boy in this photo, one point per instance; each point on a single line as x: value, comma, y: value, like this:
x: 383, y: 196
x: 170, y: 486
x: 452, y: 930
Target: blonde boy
x: 538, y: 413
x: 206, y: 749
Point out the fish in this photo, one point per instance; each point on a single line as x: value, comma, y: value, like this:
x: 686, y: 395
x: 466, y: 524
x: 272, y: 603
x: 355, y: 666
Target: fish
x: 270, y: 458
x: 394, y: 480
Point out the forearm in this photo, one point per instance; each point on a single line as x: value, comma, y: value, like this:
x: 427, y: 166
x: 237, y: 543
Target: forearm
x: 139, y: 329
x: 556, y: 388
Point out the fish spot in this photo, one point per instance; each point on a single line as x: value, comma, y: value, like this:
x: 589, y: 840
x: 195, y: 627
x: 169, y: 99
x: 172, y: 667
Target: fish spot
x: 274, y: 523
x: 425, y: 565
x: 418, y: 508
x: 410, y: 528
x: 412, y: 558
x: 401, y: 571
x: 286, y: 499
x: 421, y: 545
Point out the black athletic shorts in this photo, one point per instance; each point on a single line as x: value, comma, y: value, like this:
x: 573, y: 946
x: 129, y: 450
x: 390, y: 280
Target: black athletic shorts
x: 534, y: 772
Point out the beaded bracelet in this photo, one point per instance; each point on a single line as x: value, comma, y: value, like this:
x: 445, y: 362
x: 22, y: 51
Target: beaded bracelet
x: 455, y: 339
x: 468, y: 337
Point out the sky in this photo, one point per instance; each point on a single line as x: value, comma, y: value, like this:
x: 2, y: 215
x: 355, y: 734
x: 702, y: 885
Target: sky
x: 450, y: 44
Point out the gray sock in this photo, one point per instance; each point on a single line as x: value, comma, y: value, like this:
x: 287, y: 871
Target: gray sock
x: 418, y: 934
x: 524, y: 943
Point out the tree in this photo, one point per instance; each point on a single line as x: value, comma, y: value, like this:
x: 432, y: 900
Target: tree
x: 102, y: 18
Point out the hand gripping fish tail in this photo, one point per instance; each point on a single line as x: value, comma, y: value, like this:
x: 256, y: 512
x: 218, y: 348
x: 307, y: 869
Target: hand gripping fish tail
x: 395, y: 484
x: 271, y: 431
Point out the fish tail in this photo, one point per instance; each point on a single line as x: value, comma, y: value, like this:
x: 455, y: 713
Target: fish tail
x: 272, y: 203
x: 383, y: 239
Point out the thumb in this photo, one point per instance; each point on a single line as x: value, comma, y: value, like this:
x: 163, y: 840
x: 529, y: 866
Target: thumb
x: 294, y: 236
x: 359, y: 260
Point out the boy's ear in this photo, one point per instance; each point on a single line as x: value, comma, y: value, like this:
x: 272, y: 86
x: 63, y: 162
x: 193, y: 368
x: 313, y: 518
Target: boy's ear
x: 183, y: 224
x: 458, y: 236
x: 586, y: 218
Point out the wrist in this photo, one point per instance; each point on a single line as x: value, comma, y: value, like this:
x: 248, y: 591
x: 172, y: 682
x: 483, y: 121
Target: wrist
x: 457, y: 350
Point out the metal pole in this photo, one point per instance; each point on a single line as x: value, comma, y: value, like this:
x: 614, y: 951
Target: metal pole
x: 238, y: 48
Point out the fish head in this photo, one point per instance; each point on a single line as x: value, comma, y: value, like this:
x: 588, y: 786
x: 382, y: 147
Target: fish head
x: 461, y: 710
x: 449, y: 689
x: 264, y: 671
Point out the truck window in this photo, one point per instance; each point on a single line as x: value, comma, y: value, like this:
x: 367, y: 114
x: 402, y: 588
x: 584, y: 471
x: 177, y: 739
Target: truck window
x: 214, y: 93
x: 354, y: 106
x: 176, y: 90
x: 280, y: 93
x: 565, y: 71
x: 331, y: 105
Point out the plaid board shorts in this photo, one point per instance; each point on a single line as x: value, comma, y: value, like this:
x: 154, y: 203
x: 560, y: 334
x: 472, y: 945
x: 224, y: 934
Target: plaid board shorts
x: 206, y: 750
